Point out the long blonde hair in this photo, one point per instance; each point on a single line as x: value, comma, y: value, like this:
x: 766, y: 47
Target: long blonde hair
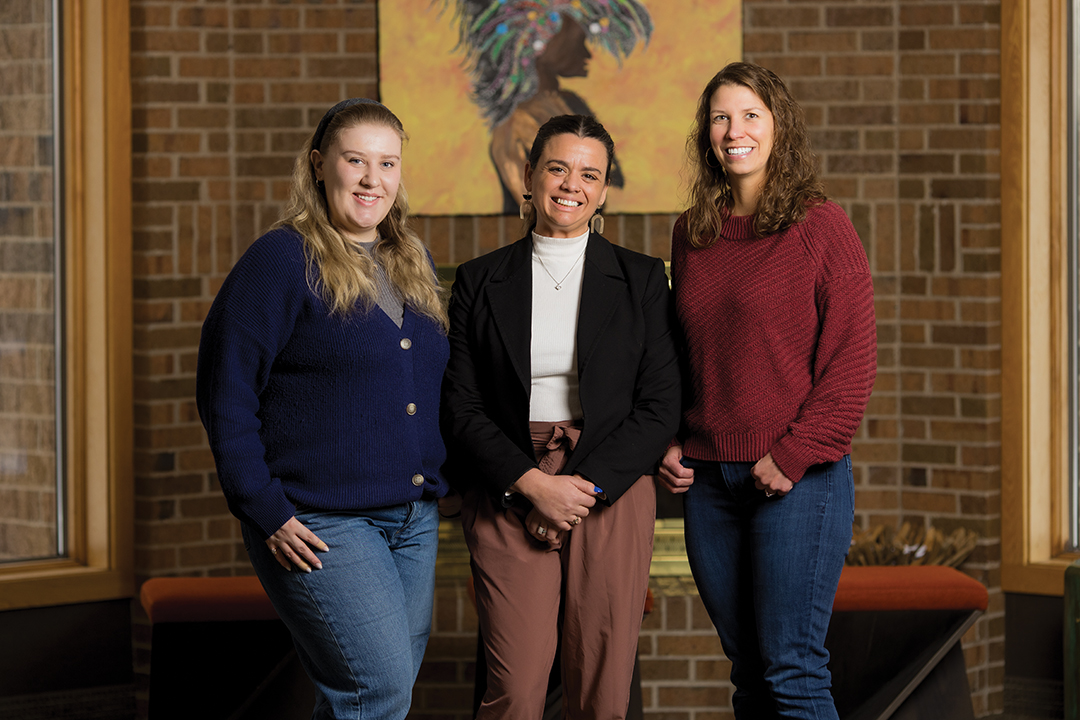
x: 791, y: 182
x: 344, y: 278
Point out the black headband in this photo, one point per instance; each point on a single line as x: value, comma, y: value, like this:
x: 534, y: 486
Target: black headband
x: 316, y: 141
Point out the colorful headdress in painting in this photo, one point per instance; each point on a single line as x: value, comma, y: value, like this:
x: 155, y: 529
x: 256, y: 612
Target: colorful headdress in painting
x: 504, y: 37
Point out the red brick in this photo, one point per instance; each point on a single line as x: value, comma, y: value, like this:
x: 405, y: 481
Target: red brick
x: 858, y: 16
x: 142, y: 67
x: 152, y: 265
x: 915, y: 501
x: 160, y: 91
x: 168, y: 533
x: 325, y: 93
x: 266, y: 68
x: 928, y: 453
x: 920, y: 15
x: 964, y: 479
x: 351, y: 66
x: 339, y: 18
x: 164, y: 41
x: 693, y: 696
x: 965, y: 138
x: 150, y: 16
x: 360, y: 42
x: 822, y: 42
x: 929, y: 64
x: 964, y: 89
x: 652, y: 670
x: 199, y: 556
x: 203, y: 67
x: 763, y: 42
x: 860, y: 65
x: 159, y: 142
x: 688, y: 645
x: 203, y: 17
x: 271, y: 19
x: 204, y: 167
x: 785, y: 17
x: 965, y: 39
x: 877, y: 41
x: 969, y: 383
x: 243, y: 43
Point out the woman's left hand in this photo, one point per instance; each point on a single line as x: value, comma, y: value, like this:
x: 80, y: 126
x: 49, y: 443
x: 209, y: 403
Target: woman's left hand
x: 542, y: 529
x: 770, y: 478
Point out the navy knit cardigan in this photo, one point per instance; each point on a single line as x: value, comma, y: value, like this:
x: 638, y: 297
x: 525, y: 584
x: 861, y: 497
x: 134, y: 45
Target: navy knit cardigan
x: 305, y: 408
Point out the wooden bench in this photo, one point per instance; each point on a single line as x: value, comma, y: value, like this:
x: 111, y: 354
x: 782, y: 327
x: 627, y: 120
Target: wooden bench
x: 219, y: 651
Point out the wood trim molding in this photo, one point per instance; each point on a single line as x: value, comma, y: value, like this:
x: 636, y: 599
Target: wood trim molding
x: 97, y: 301
x: 1035, y: 442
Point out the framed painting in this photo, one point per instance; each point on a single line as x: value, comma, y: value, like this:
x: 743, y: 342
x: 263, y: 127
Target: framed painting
x: 472, y: 80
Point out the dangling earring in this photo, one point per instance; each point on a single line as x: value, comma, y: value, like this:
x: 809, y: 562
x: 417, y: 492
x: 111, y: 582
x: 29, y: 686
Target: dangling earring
x: 710, y: 152
x: 596, y: 223
x: 524, y: 208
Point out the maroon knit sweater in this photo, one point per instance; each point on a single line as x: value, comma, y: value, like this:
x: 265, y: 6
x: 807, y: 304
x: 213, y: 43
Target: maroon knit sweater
x: 780, y: 338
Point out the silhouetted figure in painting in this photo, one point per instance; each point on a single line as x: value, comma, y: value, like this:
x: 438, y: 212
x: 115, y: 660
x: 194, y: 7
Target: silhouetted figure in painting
x: 518, y: 50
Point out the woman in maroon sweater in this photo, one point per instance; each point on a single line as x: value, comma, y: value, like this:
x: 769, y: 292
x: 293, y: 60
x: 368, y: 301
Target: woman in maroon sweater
x: 774, y: 298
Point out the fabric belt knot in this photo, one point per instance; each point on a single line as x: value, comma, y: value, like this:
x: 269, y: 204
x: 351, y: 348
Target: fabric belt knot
x: 564, y: 438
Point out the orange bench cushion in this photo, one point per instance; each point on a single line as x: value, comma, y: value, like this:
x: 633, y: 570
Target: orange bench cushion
x: 205, y: 599
x: 911, y: 587
x: 931, y: 587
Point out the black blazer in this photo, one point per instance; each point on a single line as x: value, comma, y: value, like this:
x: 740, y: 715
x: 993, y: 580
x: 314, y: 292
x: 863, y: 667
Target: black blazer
x: 629, y: 383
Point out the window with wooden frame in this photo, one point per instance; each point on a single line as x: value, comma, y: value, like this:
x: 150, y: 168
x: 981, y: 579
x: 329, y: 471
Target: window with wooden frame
x: 1038, y: 248
x: 66, y: 398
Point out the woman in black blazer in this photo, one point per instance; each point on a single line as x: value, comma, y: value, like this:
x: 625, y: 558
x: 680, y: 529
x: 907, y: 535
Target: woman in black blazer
x: 561, y: 394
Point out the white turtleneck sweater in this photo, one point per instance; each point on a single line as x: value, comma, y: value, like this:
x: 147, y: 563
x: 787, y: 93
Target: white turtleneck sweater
x: 556, y: 261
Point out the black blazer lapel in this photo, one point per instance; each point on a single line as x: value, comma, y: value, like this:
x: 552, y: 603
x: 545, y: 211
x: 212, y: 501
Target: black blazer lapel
x: 601, y: 291
x: 509, y: 294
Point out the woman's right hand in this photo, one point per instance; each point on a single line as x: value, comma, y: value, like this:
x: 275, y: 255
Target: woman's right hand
x: 291, y: 545
x: 542, y: 529
x: 673, y: 476
x: 564, y: 499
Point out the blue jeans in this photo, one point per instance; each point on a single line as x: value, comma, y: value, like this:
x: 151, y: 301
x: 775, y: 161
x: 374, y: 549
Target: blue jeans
x: 361, y: 623
x: 767, y: 570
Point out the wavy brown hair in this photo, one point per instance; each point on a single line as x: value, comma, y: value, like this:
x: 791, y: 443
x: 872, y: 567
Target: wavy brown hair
x: 791, y: 183
x: 344, y: 278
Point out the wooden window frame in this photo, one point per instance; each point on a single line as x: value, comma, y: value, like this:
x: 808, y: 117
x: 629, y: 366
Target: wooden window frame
x: 1035, y: 444
x: 97, y: 302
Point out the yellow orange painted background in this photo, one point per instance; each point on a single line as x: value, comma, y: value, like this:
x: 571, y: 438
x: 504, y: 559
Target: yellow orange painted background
x: 647, y: 105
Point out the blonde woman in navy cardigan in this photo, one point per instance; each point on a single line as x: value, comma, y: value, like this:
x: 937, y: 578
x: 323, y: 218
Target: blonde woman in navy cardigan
x: 318, y: 384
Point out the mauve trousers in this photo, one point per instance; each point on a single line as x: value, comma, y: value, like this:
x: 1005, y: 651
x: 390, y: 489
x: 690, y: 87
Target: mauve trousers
x: 590, y: 593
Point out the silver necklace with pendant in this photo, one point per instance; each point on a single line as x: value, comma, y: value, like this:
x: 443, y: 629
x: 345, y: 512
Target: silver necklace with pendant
x: 558, y: 283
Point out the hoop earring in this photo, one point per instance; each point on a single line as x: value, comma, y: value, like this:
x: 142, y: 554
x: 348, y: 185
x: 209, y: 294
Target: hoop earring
x: 596, y: 223
x: 710, y: 152
x: 320, y: 184
x: 524, y: 207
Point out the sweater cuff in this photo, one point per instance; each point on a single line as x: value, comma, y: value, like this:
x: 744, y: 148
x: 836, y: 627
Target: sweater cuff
x: 792, y: 457
x: 269, y: 516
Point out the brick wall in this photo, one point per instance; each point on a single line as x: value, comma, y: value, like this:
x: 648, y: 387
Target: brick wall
x: 27, y: 411
x: 903, y: 101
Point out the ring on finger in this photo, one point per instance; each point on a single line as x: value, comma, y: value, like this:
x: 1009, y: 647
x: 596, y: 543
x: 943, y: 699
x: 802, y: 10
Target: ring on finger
x: 575, y: 521
x: 769, y: 493
x: 273, y: 551
x: 541, y: 530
